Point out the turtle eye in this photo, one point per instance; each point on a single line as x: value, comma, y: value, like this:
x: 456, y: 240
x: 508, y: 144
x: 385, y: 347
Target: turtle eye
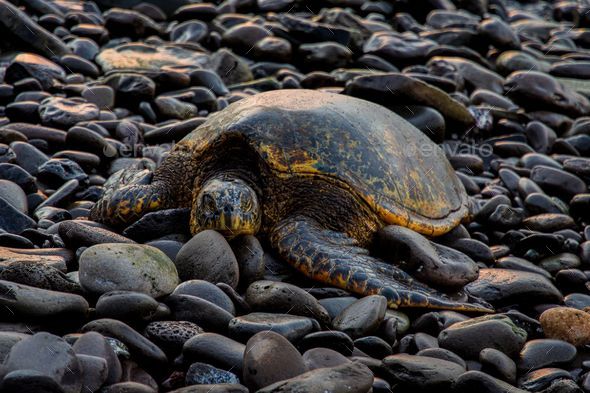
x: 246, y: 205
x: 208, y: 203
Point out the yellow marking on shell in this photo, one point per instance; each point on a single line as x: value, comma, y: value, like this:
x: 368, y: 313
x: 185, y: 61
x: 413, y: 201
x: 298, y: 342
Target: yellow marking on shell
x: 123, y: 208
x: 301, y: 162
x: 154, y: 204
x: 340, y: 281
x: 139, y: 202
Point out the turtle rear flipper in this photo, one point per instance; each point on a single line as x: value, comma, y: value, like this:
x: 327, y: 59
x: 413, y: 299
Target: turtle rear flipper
x: 309, y: 248
x: 128, y: 196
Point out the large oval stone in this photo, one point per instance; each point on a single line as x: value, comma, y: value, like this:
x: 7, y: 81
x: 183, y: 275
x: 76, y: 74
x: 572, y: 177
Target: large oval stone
x: 48, y: 354
x: 127, y: 267
x: 469, y: 337
x: 208, y: 256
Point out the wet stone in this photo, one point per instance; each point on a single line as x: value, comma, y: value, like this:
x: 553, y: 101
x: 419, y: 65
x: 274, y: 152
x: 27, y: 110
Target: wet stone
x: 263, y: 352
x: 498, y: 364
x: 282, y: 297
x: 61, y: 196
x: 469, y: 337
x: 350, y: 378
x: 189, y: 31
x: 129, y: 23
x: 565, y: 323
x: 250, y: 256
x: 33, y: 353
x: 515, y: 263
x: 206, y: 290
x: 323, y: 357
x: 545, y: 353
x: 126, y: 306
x: 242, y: 37
x: 28, y: 156
x: 291, y: 327
x: 204, y: 374
x: 395, y: 48
x: 444, y: 354
x: 26, y: 65
x: 208, y: 256
x: 29, y: 381
x: 481, y: 382
x: 548, y: 222
x: 22, y: 28
x: 100, y: 95
x: 502, y: 286
x: 435, y: 264
x: 95, y: 344
x: 131, y: 88
x: 362, y: 317
x: 157, y: 224
x: 577, y: 300
x: 215, y: 349
x: 39, y: 275
x: 562, y: 261
x: 13, y: 220
x: 142, y: 349
x: 422, y: 372
x: 525, y: 89
x: 199, y: 311
x: 94, y: 371
x: 557, y: 182
x: 139, y: 268
x: 64, y: 112
x: 147, y: 57
x: 334, y: 340
x: 505, y: 216
x: 57, y: 171
x: 171, y: 335
x: 543, y: 378
x: 374, y: 346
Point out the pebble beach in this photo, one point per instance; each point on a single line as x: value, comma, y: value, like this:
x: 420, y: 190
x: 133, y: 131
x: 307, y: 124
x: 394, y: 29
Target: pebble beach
x: 90, y: 88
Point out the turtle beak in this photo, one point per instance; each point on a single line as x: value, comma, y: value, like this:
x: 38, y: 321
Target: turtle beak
x: 232, y: 223
x: 228, y: 221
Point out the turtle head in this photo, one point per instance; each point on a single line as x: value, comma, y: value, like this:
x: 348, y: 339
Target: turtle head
x: 227, y: 205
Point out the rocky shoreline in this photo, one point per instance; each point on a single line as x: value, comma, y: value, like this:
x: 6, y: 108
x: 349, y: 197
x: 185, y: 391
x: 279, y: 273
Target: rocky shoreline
x: 90, y: 88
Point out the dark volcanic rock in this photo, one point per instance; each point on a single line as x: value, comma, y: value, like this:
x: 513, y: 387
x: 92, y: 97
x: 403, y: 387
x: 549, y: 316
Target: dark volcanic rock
x: 26, y: 32
x: 424, y: 373
x: 469, y: 337
x: 347, y: 378
x: 502, y: 286
x: 263, y: 352
x: 49, y: 355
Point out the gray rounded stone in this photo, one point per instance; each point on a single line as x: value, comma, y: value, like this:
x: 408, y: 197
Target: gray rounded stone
x: 127, y: 267
x: 23, y: 301
x: 274, y: 296
x: 47, y: 354
x: 362, y: 317
x: 208, y: 256
x: 266, y: 350
x: 347, y: 378
x: 470, y: 337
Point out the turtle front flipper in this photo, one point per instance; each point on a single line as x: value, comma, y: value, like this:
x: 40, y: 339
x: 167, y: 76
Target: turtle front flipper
x: 310, y: 249
x: 128, y: 196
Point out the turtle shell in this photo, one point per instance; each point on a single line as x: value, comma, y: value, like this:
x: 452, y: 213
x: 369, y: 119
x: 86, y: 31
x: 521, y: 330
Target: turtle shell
x: 359, y: 146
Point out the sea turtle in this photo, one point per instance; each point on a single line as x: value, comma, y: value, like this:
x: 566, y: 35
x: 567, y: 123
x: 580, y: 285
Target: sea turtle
x: 317, y: 174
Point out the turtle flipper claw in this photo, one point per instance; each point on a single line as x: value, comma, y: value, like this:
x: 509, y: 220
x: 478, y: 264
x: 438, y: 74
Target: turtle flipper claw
x: 413, y: 298
x: 128, y: 196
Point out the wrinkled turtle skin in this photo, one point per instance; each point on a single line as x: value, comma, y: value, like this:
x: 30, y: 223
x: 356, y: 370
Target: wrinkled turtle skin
x: 325, y: 173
